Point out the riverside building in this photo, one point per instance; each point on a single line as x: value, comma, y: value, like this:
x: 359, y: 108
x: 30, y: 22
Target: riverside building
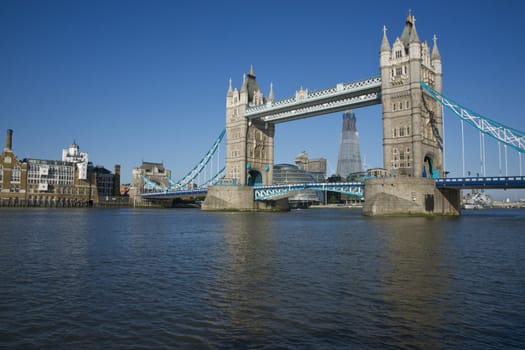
x: 70, y: 182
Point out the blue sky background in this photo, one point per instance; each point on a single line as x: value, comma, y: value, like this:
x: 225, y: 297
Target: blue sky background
x: 147, y: 80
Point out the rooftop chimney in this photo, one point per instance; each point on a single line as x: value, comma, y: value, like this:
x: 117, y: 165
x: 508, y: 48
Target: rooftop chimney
x: 9, y: 140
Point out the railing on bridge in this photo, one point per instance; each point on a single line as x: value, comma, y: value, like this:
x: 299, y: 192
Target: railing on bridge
x: 174, y: 194
x: 281, y: 191
x: 489, y: 182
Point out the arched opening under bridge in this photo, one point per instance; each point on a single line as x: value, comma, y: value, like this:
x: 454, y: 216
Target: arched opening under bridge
x: 254, y: 178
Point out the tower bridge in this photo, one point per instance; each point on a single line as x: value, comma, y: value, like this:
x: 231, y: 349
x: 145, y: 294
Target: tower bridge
x: 412, y: 125
x: 409, y: 88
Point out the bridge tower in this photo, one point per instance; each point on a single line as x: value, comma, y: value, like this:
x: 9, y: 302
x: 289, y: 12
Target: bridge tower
x: 249, y: 153
x: 412, y: 131
x: 412, y: 121
x: 249, y: 144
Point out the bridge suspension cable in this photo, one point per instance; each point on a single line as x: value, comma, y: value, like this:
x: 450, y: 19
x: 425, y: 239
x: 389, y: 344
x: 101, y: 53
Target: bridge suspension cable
x: 151, y: 185
x: 507, y: 135
x: 188, y: 178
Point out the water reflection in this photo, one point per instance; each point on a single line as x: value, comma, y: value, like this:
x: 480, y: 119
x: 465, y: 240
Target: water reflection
x: 415, y: 284
x: 305, y: 279
x: 242, y: 291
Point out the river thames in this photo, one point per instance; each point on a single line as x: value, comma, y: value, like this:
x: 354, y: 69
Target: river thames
x: 306, y: 279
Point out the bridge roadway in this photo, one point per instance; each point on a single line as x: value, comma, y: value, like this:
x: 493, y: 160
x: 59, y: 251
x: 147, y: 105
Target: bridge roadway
x: 354, y: 188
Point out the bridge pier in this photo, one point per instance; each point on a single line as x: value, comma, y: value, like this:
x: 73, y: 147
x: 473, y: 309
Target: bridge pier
x: 239, y: 198
x: 406, y: 196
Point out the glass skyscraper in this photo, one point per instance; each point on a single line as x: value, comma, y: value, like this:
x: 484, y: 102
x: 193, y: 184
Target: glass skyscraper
x: 349, y: 160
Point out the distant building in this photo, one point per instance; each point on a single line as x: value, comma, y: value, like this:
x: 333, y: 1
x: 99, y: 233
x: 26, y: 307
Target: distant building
x: 73, y: 155
x: 148, y: 177
x: 52, y: 183
x: 151, y: 176
x: 108, y: 184
x: 290, y: 174
x: 377, y: 172
x: 316, y: 166
x: 349, y: 159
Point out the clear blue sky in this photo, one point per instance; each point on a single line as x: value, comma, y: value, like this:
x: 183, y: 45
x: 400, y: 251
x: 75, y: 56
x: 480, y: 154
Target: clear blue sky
x: 146, y: 80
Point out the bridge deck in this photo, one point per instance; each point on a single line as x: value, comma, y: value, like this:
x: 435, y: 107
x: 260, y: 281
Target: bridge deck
x: 489, y: 182
x: 355, y: 188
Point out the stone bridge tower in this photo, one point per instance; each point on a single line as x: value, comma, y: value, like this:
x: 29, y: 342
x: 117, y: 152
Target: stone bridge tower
x: 249, y: 144
x: 412, y: 121
x: 412, y: 131
x: 249, y: 153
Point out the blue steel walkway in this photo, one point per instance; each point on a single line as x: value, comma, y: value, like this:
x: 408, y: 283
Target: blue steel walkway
x: 353, y: 188
x: 489, y: 182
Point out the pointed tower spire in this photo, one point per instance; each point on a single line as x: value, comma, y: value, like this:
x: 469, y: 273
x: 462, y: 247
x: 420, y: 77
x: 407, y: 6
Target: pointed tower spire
x: 251, y: 73
x: 413, y: 38
x: 435, y: 51
x: 244, y: 83
x: 270, y: 94
x: 230, y: 89
x: 385, y: 45
x: 405, y: 35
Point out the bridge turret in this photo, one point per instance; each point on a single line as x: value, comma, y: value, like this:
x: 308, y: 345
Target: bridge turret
x: 244, y: 91
x: 249, y: 144
x: 436, y: 64
x: 412, y: 125
x: 385, y: 49
x: 230, y: 89
x: 271, y: 97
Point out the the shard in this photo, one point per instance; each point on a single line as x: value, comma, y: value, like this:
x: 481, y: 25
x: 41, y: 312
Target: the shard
x: 349, y: 160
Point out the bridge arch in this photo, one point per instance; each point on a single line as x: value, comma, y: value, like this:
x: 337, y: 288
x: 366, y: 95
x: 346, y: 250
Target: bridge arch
x: 428, y: 166
x: 254, y: 178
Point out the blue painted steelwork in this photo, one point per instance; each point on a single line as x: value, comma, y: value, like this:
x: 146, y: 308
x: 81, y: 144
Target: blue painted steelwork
x: 198, y: 168
x: 151, y: 185
x: 175, y: 194
x: 215, y: 179
x: 282, y: 191
x: 489, y: 182
x: 354, y: 188
x: 509, y: 136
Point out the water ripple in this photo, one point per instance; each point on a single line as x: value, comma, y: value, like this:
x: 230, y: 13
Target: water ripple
x: 160, y: 279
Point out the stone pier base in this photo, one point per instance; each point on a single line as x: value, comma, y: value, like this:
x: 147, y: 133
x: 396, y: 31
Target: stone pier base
x: 409, y: 196
x: 239, y: 198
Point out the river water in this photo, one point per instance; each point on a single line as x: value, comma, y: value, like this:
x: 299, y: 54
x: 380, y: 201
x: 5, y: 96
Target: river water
x: 306, y: 279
